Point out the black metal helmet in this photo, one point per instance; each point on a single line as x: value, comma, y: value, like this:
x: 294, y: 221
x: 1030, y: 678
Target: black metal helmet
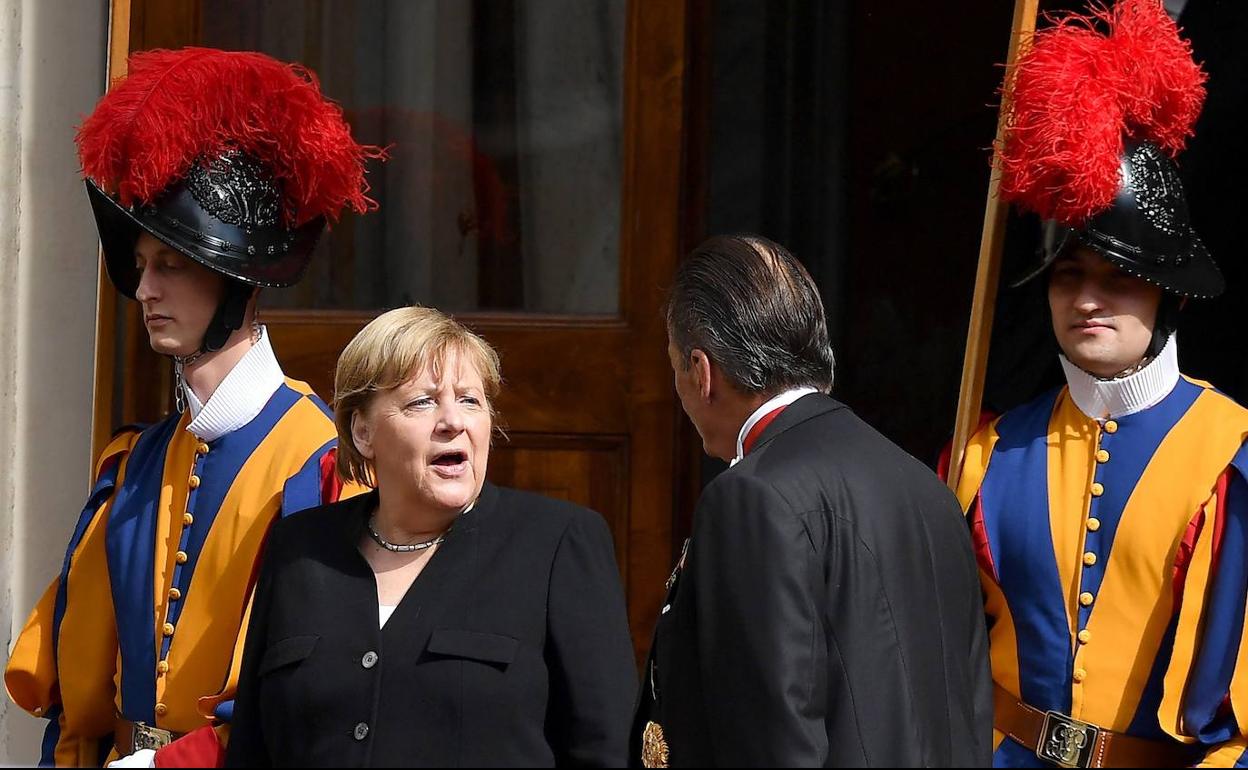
x: 234, y: 159
x: 1146, y: 231
x: 225, y: 214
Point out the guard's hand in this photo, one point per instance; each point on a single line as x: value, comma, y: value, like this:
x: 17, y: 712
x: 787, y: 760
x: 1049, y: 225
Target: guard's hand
x: 140, y: 758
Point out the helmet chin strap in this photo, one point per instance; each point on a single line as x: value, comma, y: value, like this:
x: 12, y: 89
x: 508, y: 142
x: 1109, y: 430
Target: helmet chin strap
x: 229, y: 317
x: 1166, y: 324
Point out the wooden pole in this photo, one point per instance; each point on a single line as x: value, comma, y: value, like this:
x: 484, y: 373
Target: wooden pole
x: 987, y: 275
x: 105, y: 294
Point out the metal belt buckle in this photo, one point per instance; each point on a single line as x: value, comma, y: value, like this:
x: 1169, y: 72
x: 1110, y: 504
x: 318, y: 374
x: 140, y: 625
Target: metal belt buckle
x: 1066, y: 742
x: 148, y: 737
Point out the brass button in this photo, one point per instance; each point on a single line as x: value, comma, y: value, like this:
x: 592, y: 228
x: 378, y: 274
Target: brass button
x: 168, y: 629
x: 187, y: 519
x: 175, y: 594
x: 1097, y: 489
x: 180, y: 557
x: 161, y: 709
x: 1085, y: 636
x: 1111, y: 426
x: 162, y: 667
x: 1085, y: 598
x: 1094, y: 525
x: 1102, y: 456
x: 1089, y: 559
x: 202, y: 448
x: 194, y: 482
x: 1079, y: 675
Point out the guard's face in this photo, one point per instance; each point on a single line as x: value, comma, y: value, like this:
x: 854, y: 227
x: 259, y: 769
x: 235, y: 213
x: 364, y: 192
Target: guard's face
x: 179, y: 296
x: 429, y: 438
x: 1102, y: 316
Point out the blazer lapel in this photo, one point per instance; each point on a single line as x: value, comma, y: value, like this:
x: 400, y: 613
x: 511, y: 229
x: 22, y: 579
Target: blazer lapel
x: 439, y: 594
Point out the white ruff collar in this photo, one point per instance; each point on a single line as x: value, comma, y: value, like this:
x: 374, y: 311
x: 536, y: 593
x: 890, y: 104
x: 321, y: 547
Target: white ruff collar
x: 240, y: 396
x: 1112, y: 399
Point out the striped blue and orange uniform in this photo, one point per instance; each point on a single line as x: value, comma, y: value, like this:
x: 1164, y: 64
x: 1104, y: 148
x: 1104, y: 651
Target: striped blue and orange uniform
x: 1114, y: 562
x: 148, y: 616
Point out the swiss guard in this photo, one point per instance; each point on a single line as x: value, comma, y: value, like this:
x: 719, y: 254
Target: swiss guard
x: 1110, y: 516
x: 210, y: 175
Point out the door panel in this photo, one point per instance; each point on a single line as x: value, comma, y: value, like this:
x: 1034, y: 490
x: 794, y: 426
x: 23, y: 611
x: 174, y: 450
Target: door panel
x: 587, y: 399
x: 586, y: 470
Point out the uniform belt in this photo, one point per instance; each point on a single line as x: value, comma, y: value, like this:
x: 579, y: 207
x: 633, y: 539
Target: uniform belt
x: 1068, y: 742
x: 130, y: 737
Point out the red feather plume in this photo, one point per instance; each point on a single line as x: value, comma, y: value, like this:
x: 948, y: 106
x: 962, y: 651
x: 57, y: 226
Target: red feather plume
x: 176, y: 106
x: 1076, y: 95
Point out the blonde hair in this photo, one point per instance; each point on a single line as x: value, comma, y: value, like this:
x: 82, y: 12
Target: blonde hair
x: 390, y: 350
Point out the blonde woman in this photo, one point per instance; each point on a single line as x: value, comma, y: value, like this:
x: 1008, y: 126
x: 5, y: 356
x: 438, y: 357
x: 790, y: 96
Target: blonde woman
x: 439, y: 620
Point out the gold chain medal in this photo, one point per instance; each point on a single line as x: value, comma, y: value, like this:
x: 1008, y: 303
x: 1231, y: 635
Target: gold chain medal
x: 653, y: 746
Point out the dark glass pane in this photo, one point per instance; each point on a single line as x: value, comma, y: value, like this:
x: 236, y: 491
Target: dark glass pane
x: 503, y: 122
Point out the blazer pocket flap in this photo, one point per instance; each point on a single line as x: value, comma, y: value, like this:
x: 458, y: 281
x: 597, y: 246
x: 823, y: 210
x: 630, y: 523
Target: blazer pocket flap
x: 491, y: 648
x: 287, y: 651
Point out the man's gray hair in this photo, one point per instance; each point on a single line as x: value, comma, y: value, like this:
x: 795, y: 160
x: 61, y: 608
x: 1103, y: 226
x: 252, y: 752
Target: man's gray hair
x: 754, y: 310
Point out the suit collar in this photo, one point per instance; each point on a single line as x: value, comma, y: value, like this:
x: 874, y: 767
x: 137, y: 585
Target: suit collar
x: 773, y: 404
x: 801, y: 410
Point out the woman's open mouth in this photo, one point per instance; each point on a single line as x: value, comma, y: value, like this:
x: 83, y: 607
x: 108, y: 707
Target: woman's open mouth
x: 451, y: 463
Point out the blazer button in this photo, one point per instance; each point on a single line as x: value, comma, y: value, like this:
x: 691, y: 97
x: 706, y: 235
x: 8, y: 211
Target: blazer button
x: 370, y: 659
x: 361, y: 731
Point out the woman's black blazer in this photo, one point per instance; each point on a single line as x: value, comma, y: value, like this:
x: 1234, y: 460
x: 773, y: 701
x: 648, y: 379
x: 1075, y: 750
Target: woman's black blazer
x: 510, y: 649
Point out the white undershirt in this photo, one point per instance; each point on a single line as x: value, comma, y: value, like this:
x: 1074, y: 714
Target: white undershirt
x: 784, y: 399
x: 1114, y: 399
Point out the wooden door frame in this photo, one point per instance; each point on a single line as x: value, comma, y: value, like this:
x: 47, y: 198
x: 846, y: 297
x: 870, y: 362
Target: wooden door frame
x: 654, y: 234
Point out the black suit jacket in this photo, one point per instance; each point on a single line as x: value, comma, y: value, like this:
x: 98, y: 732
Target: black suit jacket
x: 510, y: 649
x: 828, y: 612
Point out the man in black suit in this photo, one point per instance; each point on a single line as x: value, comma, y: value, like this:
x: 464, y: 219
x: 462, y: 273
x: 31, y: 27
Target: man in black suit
x: 827, y: 609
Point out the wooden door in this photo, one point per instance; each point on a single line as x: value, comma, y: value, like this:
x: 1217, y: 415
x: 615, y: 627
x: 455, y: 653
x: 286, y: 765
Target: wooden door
x: 588, y: 404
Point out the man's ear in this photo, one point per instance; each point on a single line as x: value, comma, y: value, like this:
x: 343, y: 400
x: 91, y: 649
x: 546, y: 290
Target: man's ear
x: 362, y: 435
x: 253, y: 307
x: 700, y: 366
